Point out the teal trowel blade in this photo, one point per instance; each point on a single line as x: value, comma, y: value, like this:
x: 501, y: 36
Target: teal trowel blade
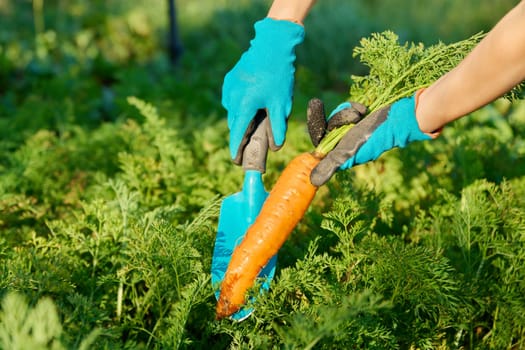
x: 237, y: 213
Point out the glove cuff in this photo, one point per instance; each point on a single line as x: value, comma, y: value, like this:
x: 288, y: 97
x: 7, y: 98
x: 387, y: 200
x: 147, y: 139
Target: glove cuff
x: 278, y: 34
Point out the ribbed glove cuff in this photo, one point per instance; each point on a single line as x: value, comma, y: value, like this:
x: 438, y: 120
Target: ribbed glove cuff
x: 278, y: 34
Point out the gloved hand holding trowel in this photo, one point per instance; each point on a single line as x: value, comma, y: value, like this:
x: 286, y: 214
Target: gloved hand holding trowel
x: 262, y: 80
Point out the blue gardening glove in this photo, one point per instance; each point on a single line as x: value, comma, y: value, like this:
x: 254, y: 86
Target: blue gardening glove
x: 392, y: 126
x: 262, y: 79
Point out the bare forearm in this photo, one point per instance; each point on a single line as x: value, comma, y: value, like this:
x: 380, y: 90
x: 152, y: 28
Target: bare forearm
x: 292, y: 10
x: 494, y: 67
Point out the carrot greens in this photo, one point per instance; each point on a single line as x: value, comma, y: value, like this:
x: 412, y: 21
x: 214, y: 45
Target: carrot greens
x: 398, y: 70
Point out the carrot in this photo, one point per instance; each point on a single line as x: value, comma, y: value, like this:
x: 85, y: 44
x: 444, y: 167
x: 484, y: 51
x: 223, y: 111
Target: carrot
x: 283, y: 209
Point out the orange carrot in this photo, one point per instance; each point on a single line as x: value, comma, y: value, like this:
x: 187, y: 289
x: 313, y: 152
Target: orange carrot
x: 283, y: 209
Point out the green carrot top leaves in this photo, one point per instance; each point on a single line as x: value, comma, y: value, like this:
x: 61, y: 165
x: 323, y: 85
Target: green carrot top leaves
x: 398, y: 70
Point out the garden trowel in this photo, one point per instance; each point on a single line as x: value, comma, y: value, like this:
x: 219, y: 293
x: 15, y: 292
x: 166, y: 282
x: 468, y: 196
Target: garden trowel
x: 239, y: 211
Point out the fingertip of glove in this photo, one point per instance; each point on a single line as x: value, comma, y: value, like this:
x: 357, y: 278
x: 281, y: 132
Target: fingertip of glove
x: 339, y: 108
x: 234, y: 152
x: 274, y: 145
x: 236, y: 140
x: 322, y: 173
x: 277, y: 128
x: 316, y: 120
x: 359, y: 107
x: 316, y: 179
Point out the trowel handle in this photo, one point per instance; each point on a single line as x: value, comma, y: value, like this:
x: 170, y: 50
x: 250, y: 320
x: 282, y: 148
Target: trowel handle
x: 255, y: 152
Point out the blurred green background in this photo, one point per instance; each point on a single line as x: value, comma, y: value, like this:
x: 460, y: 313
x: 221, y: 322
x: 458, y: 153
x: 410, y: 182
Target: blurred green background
x: 75, y: 61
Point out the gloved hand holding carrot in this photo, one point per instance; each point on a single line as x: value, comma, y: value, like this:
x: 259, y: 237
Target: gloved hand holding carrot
x: 392, y: 126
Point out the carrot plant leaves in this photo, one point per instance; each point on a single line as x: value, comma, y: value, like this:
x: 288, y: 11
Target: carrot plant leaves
x: 398, y: 70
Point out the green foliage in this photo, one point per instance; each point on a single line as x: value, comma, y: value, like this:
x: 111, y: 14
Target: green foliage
x: 482, y: 234
x: 109, y: 203
x: 398, y: 70
x: 23, y: 327
x: 428, y: 22
x: 120, y: 254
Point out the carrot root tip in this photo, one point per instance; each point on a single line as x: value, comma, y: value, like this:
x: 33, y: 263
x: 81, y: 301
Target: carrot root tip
x: 225, y: 309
